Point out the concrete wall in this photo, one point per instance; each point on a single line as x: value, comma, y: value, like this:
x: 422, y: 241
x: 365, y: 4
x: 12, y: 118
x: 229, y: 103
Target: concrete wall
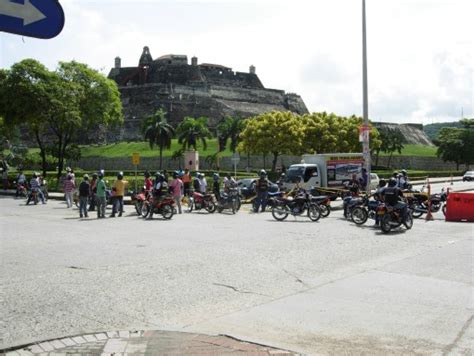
x: 256, y: 162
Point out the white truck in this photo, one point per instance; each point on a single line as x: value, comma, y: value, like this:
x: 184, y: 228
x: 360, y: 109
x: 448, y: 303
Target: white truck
x: 329, y: 170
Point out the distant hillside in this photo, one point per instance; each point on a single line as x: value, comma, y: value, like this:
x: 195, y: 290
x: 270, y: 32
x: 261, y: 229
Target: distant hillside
x: 432, y: 130
x: 412, y: 133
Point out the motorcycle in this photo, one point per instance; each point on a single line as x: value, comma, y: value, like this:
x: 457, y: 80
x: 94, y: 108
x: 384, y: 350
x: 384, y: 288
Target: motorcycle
x: 391, y: 218
x: 324, y: 203
x: 198, y: 201
x: 296, y: 206
x: 137, y: 199
x: 21, y: 190
x: 272, y: 199
x: 419, y: 202
x: 360, y: 214
x: 229, y: 200
x: 164, y: 206
x: 33, y: 196
x: 350, y: 203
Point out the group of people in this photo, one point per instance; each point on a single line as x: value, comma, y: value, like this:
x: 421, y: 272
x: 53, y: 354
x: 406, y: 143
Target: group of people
x: 35, y: 185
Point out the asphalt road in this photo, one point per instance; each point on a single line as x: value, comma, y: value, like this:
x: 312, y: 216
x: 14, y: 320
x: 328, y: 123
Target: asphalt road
x: 328, y: 287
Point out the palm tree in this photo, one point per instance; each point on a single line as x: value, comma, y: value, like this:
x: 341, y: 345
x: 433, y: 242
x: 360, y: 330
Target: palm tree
x: 157, y: 131
x: 178, y: 156
x: 192, y: 130
x: 230, y: 129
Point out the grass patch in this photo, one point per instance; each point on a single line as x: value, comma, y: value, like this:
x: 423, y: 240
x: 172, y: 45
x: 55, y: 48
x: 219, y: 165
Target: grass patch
x: 415, y: 150
x: 125, y: 149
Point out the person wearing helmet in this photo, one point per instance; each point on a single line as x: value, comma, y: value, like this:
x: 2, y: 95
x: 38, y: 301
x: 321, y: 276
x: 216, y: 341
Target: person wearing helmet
x: 281, y: 181
x: 101, y: 196
x: 393, y: 196
x: 92, y: 192
x: 262, y: 185
x: 160, y: 186
x: 35, y: 187
x: 216, y: 185
x: 84, y: 194
x: 186, y: 179
x: 405, y: 178
x: 118, y: 191
x: 176, y: 188
x: 20, y: 183
x: 196, y: 183
x: 202, y: 183
x: 400, y: 181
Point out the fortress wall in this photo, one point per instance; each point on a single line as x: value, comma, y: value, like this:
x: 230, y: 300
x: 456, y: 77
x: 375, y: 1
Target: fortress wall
x: 412, y: 133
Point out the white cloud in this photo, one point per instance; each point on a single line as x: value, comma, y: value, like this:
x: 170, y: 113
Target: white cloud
x: 420, y: 51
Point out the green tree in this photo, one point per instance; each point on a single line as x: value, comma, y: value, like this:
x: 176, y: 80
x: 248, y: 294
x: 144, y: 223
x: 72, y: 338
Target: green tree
x: 157, y: 131
x: 276, y: 133
x: 229, y: 129
x: 191, y: 130
x: 57, y: 108
x: 392, y: 141
x: 457, y: 144
x: 178, y: 156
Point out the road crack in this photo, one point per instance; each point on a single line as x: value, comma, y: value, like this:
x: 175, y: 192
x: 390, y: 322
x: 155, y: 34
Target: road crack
x: 240, y: 291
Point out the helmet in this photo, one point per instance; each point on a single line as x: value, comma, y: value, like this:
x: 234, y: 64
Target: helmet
x: 392, y: 182
x: 94, y: 175
x: 157, y: 174
x: 382, y: 183
x: 175, y: 174
x: 263, y: 172
x: 147, y: 174
x: 215, y: 176
x: 198, y: 174
x: 101, y: 174
x: 86, y: 176
x: 120, y: 175
x: 395, y: 174
x: 283, y: 175
x: 68, y: 169
x: 35, y: 175
x: 404, y: 172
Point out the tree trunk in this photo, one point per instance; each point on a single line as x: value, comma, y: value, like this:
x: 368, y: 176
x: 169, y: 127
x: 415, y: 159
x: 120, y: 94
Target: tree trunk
x: 377, y: 158
x: 42, y: 154
x: 274, y: 163
x: 390, y: 159
x: 161, y: 157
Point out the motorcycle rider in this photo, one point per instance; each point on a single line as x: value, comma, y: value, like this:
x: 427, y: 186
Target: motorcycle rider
x: 405, y: 178
x: 20, y: 181
x: 216, y: 186
x: 354, y: 188
x: 186, y: 179
x: 202, y: 183
x: 229, y: 183
x: 262, y: 186
x: 35, y: 186
x: 391, y: 195
x: 197, y: 183
x: 378, y: 197
x: 281, y: 181
x: 148, y: 183
x: 159, y: 188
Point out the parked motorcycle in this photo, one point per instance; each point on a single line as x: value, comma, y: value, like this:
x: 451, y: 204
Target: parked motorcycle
x: 350, y: 202
x: 324, y: 203
x: 137, y: 199
x: 21, y: 190
x: 296, y: 206
x: 391, y: 218
x: 229, y: 200
x: 198, y: 201
x: 272, y: 199
x: 360, y: 214
x: 419, y: 202
x: 164, y: 206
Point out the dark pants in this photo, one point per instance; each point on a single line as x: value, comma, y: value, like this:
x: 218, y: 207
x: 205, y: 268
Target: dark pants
x: 118, y: 200
x: 186, y: 187
x: 261, y: 201
x: 92, y: 203
x: 83, y: 206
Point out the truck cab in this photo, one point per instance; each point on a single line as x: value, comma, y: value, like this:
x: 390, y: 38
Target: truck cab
x: 306, y: 175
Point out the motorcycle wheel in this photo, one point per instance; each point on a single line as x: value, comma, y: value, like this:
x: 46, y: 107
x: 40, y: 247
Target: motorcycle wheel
x: 138, y: 207
x: 408, y: 222
x: 325, y: 210
x: 280, y: 212
x: 167, y: 211
x: 314, y: 213
x: 359, y: 215
x: 145, y: 210
x: 385, y: 224
x: 190, y: 204
x: 239, y: 203
x: 234, y: 206
x: 211, y: 207
x: 417, y: 213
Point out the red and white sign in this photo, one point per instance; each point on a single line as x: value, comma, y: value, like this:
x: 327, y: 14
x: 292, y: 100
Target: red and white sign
x: 364, y: 133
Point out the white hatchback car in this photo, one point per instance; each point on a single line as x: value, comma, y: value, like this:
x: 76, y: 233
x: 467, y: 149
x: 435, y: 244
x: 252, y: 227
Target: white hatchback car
x: 468, y: 176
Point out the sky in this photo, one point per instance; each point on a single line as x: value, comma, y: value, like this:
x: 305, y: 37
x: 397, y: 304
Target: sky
x: 420, y: 52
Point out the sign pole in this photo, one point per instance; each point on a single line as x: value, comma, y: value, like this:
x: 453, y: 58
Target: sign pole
x: 136, y: 174
x: 365, y: 145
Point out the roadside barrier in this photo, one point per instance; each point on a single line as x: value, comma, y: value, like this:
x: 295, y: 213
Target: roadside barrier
x: 460, y: 207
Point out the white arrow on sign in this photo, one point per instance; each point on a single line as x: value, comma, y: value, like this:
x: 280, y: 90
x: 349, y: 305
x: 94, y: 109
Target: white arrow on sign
x: 28, y: 12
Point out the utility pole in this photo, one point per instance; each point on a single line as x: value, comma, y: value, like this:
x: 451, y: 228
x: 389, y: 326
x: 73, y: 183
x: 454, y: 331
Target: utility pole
x: 365, y: 143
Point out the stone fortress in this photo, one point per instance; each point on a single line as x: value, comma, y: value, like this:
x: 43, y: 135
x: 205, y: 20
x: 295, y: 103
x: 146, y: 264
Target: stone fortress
x: 182, y: 89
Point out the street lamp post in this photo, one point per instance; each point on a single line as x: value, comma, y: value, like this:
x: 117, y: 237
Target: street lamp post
x: 365, y: 144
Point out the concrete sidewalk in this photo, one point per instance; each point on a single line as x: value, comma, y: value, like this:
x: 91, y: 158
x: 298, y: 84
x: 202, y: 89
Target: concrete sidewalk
x: 141, y: 342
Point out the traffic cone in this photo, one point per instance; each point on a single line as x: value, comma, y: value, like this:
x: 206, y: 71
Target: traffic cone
x: 429, y: 216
